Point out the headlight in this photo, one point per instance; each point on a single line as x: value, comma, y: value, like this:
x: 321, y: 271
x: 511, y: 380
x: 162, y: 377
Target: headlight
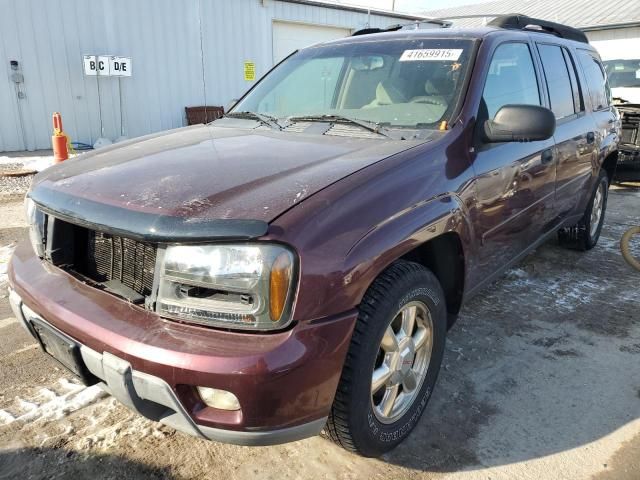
x: 247, y: 286
x: 36, y: 222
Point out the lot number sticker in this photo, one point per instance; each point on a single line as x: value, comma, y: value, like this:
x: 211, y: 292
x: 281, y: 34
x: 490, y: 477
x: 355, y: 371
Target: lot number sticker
x: 431, y: 54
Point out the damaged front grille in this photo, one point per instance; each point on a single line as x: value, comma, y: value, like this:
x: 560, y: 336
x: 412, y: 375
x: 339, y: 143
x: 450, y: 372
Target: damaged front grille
x: 111, y: 257
x: 120, y: 265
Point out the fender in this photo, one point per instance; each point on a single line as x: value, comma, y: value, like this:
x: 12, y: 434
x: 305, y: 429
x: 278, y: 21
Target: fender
x: 348, y: 233
x: 398, y: 235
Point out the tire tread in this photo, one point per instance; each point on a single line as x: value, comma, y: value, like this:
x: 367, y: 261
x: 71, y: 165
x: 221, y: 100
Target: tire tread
x: 337, y: 427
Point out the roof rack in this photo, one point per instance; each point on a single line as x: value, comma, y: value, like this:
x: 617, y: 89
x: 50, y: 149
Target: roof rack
x: 402, y: 26
x: 516, y: 21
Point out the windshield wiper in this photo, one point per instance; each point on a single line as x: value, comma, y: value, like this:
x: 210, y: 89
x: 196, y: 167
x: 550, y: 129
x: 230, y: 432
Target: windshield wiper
x: 371, y: 126
x: 267, y: 120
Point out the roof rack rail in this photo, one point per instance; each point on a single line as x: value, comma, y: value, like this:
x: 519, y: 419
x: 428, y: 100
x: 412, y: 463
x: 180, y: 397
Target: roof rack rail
x: 516, y: 21
x: 368, y: 30
x: 402, y: 26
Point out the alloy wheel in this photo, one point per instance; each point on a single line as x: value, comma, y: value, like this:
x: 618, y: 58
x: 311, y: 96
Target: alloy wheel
x: 402, y: 362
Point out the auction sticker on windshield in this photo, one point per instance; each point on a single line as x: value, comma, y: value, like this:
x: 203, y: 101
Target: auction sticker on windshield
x: 431, y: 54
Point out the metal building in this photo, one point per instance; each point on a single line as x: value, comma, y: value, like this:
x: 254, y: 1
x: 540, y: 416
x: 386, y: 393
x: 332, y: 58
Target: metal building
x: 613, y: 27
x: 182, y: 53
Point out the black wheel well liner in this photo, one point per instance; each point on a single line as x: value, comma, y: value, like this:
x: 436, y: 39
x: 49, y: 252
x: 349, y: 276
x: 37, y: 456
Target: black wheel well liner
x: 609, y: 165
x: 444, y: 256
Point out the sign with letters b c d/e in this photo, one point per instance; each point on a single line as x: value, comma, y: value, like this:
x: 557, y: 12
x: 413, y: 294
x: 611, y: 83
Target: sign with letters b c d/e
x: 120, y: 67
x: 107, y: 66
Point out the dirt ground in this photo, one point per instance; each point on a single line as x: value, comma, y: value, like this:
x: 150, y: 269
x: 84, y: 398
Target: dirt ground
x: 541, y: 380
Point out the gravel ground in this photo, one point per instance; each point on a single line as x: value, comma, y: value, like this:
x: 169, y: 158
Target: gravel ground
x: 10, y: 185
x: 540, y: 381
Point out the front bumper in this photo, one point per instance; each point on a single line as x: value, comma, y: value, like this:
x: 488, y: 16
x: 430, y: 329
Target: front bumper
x: 285, y: 381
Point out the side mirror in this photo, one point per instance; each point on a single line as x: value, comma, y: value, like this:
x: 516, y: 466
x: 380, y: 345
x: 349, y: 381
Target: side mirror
x: 520, y: 123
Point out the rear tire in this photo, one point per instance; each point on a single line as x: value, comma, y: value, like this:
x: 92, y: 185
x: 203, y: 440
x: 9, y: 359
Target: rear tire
x: 393, y: 361
x: 584, y: 236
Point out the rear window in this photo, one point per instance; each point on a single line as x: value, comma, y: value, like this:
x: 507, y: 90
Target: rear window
x: 597, y: 84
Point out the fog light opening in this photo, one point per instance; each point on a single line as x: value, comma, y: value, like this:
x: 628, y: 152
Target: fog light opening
x: 220, y: 399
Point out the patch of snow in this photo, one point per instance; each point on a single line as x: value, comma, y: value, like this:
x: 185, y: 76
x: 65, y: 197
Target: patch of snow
x: 38, y: 163
x: 565, y: 292
x: 55, y: 406
x: 27, y: 406
x: 6, y: 418
x: 70, y: 386
x: 46, y: 394
x: 5, y: 255
x: 31, y: 162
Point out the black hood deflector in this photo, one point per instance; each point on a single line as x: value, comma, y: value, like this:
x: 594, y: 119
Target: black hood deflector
x: 142, y: 226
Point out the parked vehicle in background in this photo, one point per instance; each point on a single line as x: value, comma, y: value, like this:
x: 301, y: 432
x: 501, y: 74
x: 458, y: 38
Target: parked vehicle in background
x: 624, y: 78
x: 296, y: 264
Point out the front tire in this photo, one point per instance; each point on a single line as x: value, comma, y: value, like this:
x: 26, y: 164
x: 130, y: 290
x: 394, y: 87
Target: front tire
x: 393, y: 361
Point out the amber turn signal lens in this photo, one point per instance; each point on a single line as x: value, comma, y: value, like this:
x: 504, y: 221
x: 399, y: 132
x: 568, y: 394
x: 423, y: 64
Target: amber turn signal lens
x: 279, y: 285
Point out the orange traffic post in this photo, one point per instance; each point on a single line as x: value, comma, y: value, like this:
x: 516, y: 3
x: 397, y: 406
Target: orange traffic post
x: 59, y: 140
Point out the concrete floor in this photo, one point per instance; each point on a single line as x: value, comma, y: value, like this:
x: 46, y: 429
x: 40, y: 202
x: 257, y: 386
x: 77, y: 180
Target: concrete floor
x: 540, y: 380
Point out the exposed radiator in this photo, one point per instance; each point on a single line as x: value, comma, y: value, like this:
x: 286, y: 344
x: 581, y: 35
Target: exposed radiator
x: 102, y: 257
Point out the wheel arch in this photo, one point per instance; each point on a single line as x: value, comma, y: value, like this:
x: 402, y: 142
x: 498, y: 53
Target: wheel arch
x: 444, y: 255
x: 439, y: 244
x: 609, y: 165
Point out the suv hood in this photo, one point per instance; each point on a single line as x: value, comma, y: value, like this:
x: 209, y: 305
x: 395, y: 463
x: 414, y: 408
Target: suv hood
x: 192, y: 181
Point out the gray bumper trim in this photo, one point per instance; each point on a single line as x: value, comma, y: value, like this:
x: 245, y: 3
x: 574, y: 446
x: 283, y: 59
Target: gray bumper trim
x: 271, y: 437
x: 153, y: 398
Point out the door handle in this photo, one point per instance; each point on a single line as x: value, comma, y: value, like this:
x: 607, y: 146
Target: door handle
x: 591, y: 137
x: 546, y: 156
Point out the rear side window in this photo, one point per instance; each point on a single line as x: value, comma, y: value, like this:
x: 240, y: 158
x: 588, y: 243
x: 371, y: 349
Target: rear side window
x: 511, y: 79
x: 575, y: 84
x: 556, y: 73
x: 596, y: 80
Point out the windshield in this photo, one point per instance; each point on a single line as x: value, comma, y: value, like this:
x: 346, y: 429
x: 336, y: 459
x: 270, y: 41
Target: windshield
x: 623, y: 73
x: 396, y: 83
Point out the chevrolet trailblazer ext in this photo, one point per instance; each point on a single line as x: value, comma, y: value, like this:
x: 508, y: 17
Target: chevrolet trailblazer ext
x: 295, y: 265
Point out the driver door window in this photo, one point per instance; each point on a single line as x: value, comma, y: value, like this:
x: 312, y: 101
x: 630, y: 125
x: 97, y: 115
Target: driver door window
x: 511, y: 79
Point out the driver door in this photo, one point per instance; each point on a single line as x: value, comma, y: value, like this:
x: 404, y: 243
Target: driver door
x: 515, y: 181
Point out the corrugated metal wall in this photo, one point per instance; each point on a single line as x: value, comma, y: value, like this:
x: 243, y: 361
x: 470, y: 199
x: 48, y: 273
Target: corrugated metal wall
x: 49, y: 37
x: 618, y: 43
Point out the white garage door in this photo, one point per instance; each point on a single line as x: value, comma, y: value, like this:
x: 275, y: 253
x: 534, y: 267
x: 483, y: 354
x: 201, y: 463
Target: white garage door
x: 288, y: 37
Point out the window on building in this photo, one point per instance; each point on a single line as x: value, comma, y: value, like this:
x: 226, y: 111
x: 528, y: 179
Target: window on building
x: 511, y: 78
x: 558, y: 81
x: 597, y: 84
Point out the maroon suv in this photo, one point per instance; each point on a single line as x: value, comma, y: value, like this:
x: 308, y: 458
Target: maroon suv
x: 295, y: 265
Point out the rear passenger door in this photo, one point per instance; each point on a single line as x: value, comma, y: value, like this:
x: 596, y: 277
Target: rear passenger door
x: 604, y: 114
x: 575, y: 136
